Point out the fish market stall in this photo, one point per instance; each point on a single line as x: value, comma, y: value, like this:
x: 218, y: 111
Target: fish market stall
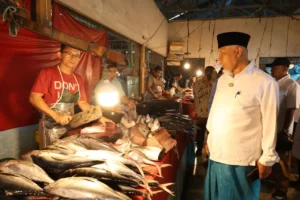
x: 137, y: 158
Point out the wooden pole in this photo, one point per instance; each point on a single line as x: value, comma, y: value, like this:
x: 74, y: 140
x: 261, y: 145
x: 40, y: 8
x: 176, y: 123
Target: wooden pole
x: 43, y: 12
x: 142, y: 70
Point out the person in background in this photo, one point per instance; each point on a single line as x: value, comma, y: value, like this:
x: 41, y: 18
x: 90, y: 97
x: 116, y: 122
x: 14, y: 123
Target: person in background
x: 202, y: 91
x: 154, y: 85
x: 241, y: 124
x: 289, y: 99
x: 174, y: 86
x: 112, y: 77
x: 55, y: 92
x: 213, y: 89
x: 192, y: 83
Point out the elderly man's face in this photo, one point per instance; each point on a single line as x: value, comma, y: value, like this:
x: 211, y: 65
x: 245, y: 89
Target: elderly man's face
x: 228, y: 57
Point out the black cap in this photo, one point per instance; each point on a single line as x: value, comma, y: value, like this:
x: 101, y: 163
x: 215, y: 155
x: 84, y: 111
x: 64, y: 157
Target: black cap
x: 233, y: 38
x: 280, y: 61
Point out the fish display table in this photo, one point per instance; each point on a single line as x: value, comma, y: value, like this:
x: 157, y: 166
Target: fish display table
x: 169, y: 173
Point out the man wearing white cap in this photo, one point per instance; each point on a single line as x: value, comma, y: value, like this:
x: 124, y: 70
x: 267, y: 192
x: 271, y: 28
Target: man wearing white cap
x: 241, y: 124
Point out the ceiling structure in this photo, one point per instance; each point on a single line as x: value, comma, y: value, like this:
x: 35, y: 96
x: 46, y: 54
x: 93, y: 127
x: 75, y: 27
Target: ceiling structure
x: 175, y: 10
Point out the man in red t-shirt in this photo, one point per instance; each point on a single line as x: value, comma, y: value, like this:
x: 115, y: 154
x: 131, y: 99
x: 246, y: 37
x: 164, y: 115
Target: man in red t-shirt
x: 55, y: 92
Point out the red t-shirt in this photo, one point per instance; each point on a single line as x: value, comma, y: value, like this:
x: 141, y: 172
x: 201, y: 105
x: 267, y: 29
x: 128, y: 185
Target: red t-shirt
x: 49, y: 83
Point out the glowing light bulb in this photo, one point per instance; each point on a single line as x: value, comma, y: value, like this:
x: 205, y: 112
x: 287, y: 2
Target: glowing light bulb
x: 291, y: 66
x: 187, y: 65
x: 199, y: 73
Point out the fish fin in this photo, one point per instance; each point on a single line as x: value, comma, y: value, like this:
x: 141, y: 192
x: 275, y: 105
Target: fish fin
x: 157, y: 191
x: 165, y: 165
x: 164, y: 187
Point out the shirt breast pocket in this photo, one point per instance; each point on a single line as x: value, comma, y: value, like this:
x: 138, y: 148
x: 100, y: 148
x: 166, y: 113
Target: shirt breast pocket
x: 246, y: 101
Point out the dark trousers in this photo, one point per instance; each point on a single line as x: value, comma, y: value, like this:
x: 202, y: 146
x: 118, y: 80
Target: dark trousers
x: 281, y: 171
x: 201, y: 123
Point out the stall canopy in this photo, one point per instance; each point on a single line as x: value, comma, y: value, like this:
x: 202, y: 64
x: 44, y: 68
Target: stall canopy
x: 22, y: 58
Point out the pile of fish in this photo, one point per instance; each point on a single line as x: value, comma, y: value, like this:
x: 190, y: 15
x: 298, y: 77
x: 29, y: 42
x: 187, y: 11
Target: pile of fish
x: 83, y: 167
x: 146, y: 131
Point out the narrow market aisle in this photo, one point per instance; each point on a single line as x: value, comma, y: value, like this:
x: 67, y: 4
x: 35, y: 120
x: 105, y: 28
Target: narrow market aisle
x: 195, y: 176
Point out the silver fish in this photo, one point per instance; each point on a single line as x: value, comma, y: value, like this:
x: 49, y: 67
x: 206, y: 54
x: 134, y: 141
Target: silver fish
x: 139, y: 156
x: 91, y: 143
x: 120, y: 169
x: 153, y: 153
x: 10, y: 181
x: 83, y: 188
x: 26, y: 169
x: 57, y: 163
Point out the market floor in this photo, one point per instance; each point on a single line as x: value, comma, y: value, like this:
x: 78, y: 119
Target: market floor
x: 195, y: 177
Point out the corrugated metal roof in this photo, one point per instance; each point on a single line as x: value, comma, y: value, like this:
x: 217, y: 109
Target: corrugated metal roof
x: 221, y: 9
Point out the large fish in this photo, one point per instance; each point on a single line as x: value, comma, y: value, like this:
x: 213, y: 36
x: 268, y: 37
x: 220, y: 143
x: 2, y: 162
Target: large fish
x: 139, y: 157
x: 91, y: 143
x: 15, y: 182
x: 57, y: 163
x: 83, y: 188
x: 28, y: 156
x: 101, y: 175
x: 120, y: 169
x: 153, y: 153
x: 25, y: 168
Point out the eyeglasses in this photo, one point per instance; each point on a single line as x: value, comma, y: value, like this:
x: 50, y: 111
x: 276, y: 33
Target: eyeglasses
x: 112, y: 70
x: 70, y: 55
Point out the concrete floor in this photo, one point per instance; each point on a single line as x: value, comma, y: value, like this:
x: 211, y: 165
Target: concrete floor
x: 195, y: 179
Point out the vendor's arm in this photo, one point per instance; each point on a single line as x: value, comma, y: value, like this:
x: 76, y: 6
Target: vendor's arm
x: 269, y: 111
x: 84, y: 105
x: 148, y: 89
x: 36, y: 99
x: 126, y: 101
x: 149, y: 83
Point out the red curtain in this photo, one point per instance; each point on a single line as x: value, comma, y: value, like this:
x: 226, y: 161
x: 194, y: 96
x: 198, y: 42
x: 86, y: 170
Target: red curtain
x: 22, y: 58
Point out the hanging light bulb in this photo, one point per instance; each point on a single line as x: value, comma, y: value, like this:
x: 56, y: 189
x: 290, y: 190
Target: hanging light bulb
x: 199, y: 73
x: 187, y: 65
x: 107, y: 94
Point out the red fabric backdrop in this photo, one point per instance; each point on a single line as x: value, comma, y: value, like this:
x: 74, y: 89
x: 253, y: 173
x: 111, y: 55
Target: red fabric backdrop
x: 22, y: 57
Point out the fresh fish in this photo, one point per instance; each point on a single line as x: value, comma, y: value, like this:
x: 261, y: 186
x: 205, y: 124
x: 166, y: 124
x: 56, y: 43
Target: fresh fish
x: 83, y: 188
x: 15, y: 182
x: 98, y: 154
x: 139, y: 157
x: 120, y: 169
x: 27, y: 156
x: 26, y: 169
x: 108, y: 155
x: 60, y: 149
x: 91, y: 143
x: 19, y: 193
x: 57, y: 163
x: 153, y: 153
x: 131, y: 191
x: 101, y: 175
x: 71, y: 145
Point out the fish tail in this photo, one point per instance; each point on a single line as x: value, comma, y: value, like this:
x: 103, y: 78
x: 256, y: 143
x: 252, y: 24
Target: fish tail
x: 164, y: 187
x: 140, y: 169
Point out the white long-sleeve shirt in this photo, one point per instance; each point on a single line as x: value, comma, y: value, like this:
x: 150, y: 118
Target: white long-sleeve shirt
x: 242, y: 120
x: 289, y: 97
